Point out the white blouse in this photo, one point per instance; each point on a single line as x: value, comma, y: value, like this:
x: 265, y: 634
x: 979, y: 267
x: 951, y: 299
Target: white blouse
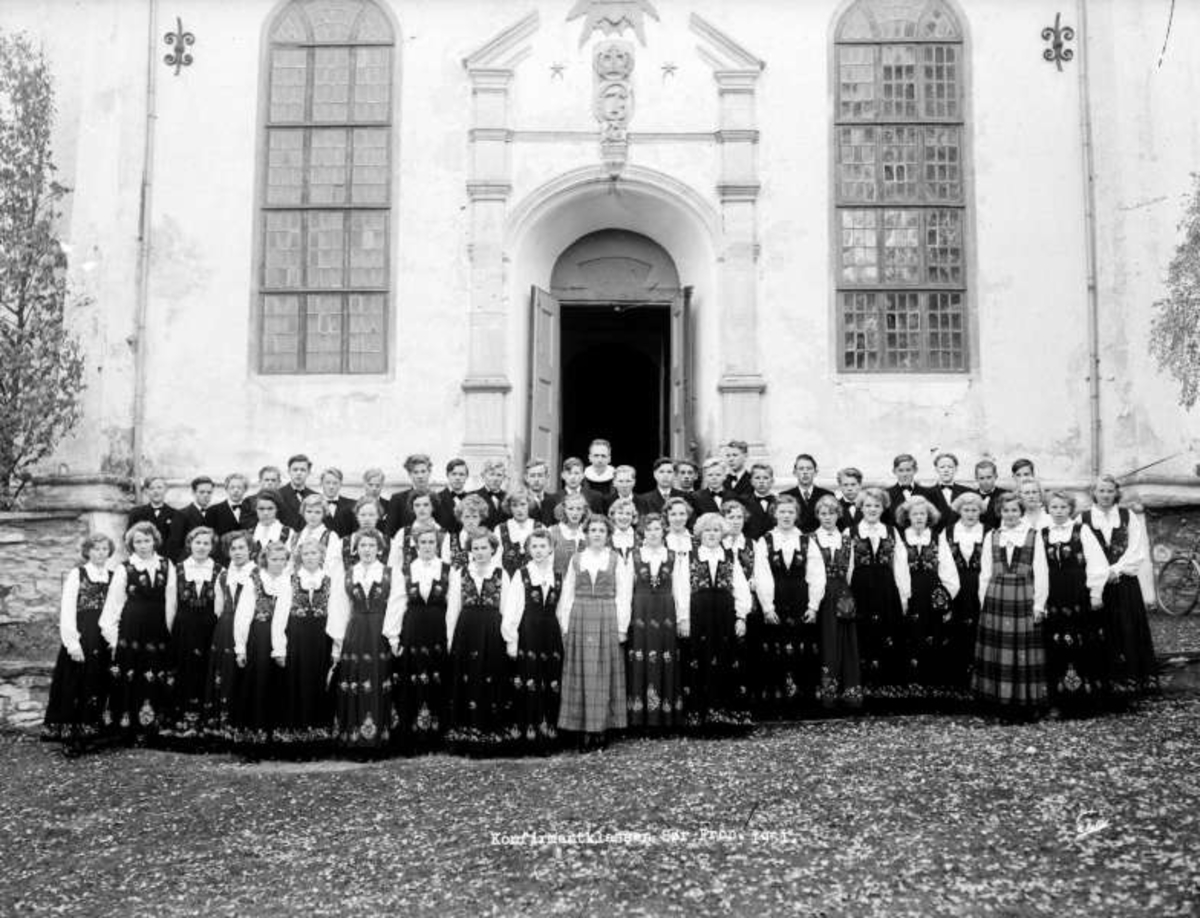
x: 788, y: 542
x: 114, y: 603
x: 679, y: 542
x: 454, y: 600
x: 198, y: 572
x: 876, y: 532
x: 967, y: 538
x: 591, y: 563
x: 540, y: 575
x: 365, y: 575
x: 1010, y: 539
x: 69, y: 604
x: 742, y: 599
x: 280, y: 587
x: 421, y: 572
x: 310, y: 582
x: 333, y: 548
x: 1130, y: 563
x: 946, y: 568
x: 833, y: 541
x: 266, y: 533
x: 1095, y: 563
x: 624, y: 538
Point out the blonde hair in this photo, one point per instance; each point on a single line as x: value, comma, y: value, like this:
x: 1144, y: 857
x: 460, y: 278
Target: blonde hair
x: 916, y: 502
x: 709, y: 521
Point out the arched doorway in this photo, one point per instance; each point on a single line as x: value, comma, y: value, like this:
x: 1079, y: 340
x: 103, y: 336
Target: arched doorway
x: 622, y: 348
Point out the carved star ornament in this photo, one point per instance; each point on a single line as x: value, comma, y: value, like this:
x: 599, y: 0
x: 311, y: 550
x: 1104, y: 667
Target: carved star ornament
x: 612, y: 17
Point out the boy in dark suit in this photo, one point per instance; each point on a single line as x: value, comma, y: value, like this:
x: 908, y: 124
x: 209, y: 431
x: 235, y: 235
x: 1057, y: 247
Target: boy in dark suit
x: 737, y: 479
x: 234, y: 513
x: 849, y: 484
x: 713, y: 494
x: 446, y: 501
x: 292, y: 494
x: 156, y: 510
x: 400, y: 516
x: 986, y: 474
x: 664, y: 479
x: 945, y: 491
x: 495, y: 471
x: 807, y: 493
x: 760, y: 502
x: 541, y: 501
x: 573, y: 483
x: 197, y: 513
x: 904, y: 467
x: 339, y: 511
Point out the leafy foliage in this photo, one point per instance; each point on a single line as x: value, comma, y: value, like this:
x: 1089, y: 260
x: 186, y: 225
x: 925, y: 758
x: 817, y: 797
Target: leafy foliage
x: 1175, y: 332
x: 41, y: 366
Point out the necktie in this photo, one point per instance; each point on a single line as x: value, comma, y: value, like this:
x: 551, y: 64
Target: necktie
x: 236, y: 509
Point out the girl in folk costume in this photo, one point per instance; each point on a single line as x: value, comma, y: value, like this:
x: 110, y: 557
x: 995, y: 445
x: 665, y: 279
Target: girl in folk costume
x: 713, y: 618
x: 567, y: 535
x: 221, y: 683
x: 191, y: 615
x: 264, y: 600
x: 789, y: 579
x: 75, y: 713
x: 367, y: 515
x: 678, y: 514
x: 362, y: 675
x: 880, y: 586
x: 933, y: 581
x: 1033, y: 503
x: 269, y: 528
x: 593, y: 612
x: 653, y: 672
x: 134, y: 623
x: 300, y: 644
x: 624, y: 516
x: 480, y: 697
x: 404, y: 545
x: 1073, y: 632
x: 1132, y: 666
x: 964, y: 541
x: 416, y: 631
x: 841, y: 678
x: 312, y: 509
x: 513, y: 532
x: 471, y: 512
x: 534, y: 640
x: 1010, y: 659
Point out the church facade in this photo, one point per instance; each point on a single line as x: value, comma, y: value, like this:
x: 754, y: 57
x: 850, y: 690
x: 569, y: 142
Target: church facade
x: 364, y: 228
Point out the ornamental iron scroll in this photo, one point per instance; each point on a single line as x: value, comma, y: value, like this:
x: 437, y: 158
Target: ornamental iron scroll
x: 1058, y: 35
x: 179, y: 58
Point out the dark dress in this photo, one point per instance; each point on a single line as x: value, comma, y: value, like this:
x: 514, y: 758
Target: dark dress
x: 363, y: 711
x: 714, y: 686
x: 1010, y: 659
x: 75, y: 713
x: 191, y: 642
x: 537, y: 682
x: 929, y: 632
x: 305, y: 700
x: 257, y: 707
x: 480, y: 700
x: 1073, y: 634
x: 787, y: 656
x: 841, y: 677
x: 593, y: 698
x: 652, y: 665
x: 1132, y: 667
x: 512, y: 553
x: 460, y: 556
x: 221, y: 683
x: 139, y: 703
x: 408, y: 548
x: 882, y: 629
x: 419, y: 673
x: 964, y: 620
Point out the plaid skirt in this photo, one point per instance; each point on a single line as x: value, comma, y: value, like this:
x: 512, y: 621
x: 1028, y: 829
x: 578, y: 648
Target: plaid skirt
x: 1010, y: 660
x: 593, y: 678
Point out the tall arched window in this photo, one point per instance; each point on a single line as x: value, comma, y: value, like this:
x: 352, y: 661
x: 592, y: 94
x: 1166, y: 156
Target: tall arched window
x: 326, y: 197
x: 900, y: 193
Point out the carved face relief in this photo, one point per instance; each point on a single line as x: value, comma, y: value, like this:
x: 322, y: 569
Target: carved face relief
x: 614, y: 103
x: 614, y: 60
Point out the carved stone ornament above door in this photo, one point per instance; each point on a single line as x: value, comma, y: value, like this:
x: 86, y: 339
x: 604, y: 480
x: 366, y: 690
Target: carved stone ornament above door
x: 613, y: 17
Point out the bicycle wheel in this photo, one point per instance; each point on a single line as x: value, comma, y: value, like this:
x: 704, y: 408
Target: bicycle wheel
x: 1178, y: 586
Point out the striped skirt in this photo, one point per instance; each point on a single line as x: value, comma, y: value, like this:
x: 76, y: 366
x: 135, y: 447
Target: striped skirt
x: 1010, y: 659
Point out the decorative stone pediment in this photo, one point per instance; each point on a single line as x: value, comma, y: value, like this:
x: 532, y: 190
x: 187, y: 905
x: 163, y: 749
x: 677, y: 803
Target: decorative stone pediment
x: 721, y: 52
x: 612, y: 17
x: 505, y: 49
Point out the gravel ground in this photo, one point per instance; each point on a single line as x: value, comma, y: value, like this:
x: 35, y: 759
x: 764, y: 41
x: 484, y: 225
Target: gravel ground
x: 1175, y: 635
x: 917, y: 815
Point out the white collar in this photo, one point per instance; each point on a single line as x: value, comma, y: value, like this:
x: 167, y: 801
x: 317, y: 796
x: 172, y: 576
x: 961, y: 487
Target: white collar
x: 624, y: 538
x: 650, y: 553
x: 869, y: 529
x: 786, y: 537
x: 477, y: 574
x: 310, y: 580
x: 1016, y: 535
x: 433, y: 564
x: 95, y: 574
x: 366, y: 574
x: 827, y: 539
x: 541, y: 573
x: 521, y: 528
x: 239, y: 575
x: 203, y: 510
x: 311, y: 534
x: 705, y: 553
x: 272, y: 583
x: 145, y: 565
x: 591, y: 475
x: 198, y: 571
x: 968, y: 535
x: 737, y: 543
x: 924, y: 538
x: 270, y: 530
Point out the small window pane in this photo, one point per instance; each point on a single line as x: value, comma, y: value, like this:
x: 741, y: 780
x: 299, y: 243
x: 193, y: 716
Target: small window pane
x: 372, y: 76
x: 332, y: 20
x: 280, y: 334
x: 327, y: 168
x: 939, y: 73
x: 367, y: 327
x: 898, y: 18
x: 856, y: 82
x: 860, y: 246
x: 282, y: 251
x: 900, y: 154
x: 326, y: 249
x: 901, y: 246
x: 371, y: 174
x: 856, y: 163
x: 289, y: 75
x: 898, y: 96
x: 323, y: 334
x: 902, y: 336
x: 331, y: 84
x: 860, y: 332
x: 944, y: 247
x: 285, y: 167
x: 946, y: 332
x: 943, y: 166
x: 368, y: 249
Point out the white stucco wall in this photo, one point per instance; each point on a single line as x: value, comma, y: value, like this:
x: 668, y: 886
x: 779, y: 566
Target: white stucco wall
x: 1026, y: 394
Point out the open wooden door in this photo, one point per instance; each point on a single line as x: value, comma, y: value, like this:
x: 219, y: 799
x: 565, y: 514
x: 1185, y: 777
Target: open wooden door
x: 682, y: 443
x: 545, y: 378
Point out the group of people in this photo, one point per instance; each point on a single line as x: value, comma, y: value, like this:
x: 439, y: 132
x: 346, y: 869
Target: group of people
x: 509, y: 621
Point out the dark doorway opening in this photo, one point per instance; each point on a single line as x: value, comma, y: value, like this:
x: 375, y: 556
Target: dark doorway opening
x: 616, y: 363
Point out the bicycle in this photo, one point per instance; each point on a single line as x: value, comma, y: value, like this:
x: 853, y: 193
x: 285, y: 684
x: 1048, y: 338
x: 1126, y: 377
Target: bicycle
x: 1178, y: 584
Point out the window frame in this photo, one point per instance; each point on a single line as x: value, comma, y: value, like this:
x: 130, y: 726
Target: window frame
x: 347, y: 292
x: 938, y: 317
